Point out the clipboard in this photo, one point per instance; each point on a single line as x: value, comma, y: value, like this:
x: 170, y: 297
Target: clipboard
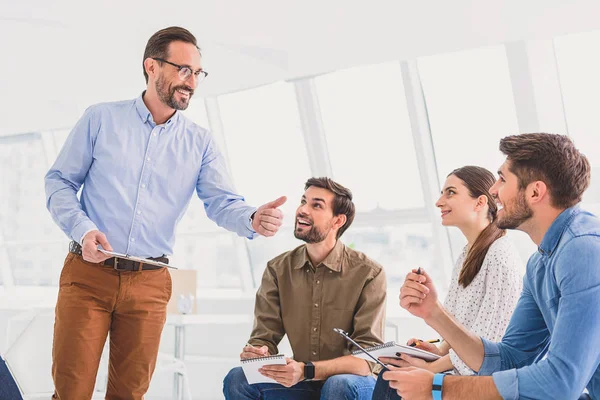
x: 136, y: 259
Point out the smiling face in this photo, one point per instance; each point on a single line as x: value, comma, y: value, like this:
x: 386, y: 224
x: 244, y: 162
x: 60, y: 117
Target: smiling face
x: 457, y: 206
x: 513, y: 209
x: 171, y: 90
x: 314, y: 217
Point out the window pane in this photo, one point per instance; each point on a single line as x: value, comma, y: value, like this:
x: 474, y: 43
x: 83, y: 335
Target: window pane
x: 470, y: 107
x: 38, y: 264
x: 196, y: 111
x: 213, y: 255
x: 397, y: 248
x: 23, y: 213
x: 369, y: 136
x: 578, y: 66
x: 265, y: 144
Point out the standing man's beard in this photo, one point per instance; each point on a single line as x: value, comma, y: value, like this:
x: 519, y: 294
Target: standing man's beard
x: 520, y: 212
x: 168, y: 96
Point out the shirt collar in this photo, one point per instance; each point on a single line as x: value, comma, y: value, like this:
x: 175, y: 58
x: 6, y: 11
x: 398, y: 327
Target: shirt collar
x: 554, y: 233
x: 146, y: 115
x: 333, y: 261
x: 141, y: 108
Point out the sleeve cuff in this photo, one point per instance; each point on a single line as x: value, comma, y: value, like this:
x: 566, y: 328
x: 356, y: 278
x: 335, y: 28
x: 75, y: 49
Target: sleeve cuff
x: 507, y: 384
x: 251, y: 233
x: 492, y: 361
x: 82, y: 229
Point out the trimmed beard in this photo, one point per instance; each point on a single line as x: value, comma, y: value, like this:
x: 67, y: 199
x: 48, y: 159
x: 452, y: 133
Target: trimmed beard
x: 521, y: 212
x: 168, y: 96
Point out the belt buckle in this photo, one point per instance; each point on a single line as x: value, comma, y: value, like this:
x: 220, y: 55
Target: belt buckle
x: 116, y: 266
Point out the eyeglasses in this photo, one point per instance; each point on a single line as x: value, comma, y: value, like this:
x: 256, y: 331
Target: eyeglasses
x: 185, y: 72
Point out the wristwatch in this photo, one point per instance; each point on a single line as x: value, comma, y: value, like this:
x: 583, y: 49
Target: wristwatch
x: 436, y: 388
x: 309, y: 371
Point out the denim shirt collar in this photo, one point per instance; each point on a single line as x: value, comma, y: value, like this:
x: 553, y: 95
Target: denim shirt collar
x: 145, y: 114
x: 554, y: 233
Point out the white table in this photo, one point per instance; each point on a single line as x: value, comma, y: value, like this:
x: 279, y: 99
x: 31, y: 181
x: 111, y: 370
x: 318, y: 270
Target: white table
x: 179, y: 322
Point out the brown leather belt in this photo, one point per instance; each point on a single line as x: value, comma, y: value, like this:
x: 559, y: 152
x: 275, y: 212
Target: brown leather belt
x: 121, y: 264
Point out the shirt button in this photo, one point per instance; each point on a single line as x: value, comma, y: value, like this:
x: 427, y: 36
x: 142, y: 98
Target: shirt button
x: 318, y: 282
x: 148, y: 159
x: 143, y: 185
x: 331, y: 272
x: 133, y: 239
x: 314, y: 353
x: 154, y: 134
x: 314, y: 329
x: 139, y: 212
x: 316, y: 305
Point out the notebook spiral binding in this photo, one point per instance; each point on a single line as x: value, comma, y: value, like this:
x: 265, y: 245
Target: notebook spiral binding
x: 249, y: 360
x: 381, y: 346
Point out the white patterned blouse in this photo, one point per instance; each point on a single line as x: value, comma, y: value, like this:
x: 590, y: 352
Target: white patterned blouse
x: 486, y: 305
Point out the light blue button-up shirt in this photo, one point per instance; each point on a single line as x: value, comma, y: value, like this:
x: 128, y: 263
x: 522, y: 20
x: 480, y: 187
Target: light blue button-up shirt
x: 558, y: 315
x: 138, y: 179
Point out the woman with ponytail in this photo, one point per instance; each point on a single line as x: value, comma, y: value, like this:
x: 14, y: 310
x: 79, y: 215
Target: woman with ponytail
x: 486, y: 279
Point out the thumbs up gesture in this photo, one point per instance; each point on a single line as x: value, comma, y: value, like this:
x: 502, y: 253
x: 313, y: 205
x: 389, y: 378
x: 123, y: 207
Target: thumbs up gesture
x: 268, y: 217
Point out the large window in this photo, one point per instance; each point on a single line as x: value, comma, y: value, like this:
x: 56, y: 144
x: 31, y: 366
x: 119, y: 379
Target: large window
x: 34, y: 245
x: 578, y: 66
x: 470, y: 107
x: 268, y: 157
x: 369, y: 136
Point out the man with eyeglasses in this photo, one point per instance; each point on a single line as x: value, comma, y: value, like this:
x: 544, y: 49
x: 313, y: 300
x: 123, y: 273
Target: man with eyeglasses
x: 139, y: 162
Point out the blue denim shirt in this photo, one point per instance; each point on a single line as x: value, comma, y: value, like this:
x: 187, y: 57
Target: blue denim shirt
x: 557, y: 316
x: 138, y: 179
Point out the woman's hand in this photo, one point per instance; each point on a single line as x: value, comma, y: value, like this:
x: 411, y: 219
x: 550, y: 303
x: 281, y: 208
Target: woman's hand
x: 432, y: 348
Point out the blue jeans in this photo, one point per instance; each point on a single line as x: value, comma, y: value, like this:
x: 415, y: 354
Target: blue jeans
x: 383, y: 391
x: 346, y: 387
x: 8, y: 387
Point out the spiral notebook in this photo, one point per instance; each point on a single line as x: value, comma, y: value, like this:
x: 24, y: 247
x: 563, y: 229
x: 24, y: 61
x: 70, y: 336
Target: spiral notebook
x: 390, y: 349
x: 251, y: 366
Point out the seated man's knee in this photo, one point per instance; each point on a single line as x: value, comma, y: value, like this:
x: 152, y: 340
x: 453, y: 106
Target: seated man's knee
x: 234, y: 382
x: 348, y: 387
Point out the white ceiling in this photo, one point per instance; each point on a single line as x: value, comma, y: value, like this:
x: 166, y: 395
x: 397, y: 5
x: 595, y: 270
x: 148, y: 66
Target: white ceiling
x: 60, y: 56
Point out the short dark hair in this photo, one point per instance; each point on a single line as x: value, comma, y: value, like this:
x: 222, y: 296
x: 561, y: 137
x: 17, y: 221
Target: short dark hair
x: 342, y: 202
x: 550, y: 158
x: 158, y: 44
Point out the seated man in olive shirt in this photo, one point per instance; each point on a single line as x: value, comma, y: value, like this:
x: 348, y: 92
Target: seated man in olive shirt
x: 307, y: 292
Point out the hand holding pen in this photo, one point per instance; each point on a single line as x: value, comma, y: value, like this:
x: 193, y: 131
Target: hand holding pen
x: 250, y: 351
x: 418, y: 294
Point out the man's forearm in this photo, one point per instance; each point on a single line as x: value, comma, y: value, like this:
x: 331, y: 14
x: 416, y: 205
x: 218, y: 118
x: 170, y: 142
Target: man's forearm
x: 341, y: 365
x: 469, y: 387
x: 467, y: 346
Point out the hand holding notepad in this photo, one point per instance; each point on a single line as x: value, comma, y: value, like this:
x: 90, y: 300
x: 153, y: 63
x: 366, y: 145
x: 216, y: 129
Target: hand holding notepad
x: 390, y: 349
x: 252, y: 365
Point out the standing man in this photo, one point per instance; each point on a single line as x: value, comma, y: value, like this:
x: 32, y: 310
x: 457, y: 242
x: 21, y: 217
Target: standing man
x: 551, y: 348
x: 305, y: 293
x: 139, y: 162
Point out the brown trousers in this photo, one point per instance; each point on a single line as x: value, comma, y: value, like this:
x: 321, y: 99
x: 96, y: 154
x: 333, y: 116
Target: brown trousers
x: 94, y: 300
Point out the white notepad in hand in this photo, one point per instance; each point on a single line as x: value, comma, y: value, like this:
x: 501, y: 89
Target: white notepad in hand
x: 390, y: 349
x: 251, y: 366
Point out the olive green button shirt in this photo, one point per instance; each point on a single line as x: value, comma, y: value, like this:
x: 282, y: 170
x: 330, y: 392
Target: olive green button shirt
x: 347, y: 290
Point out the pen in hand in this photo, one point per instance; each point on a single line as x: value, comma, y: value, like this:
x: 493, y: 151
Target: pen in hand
x: 420, y: 340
